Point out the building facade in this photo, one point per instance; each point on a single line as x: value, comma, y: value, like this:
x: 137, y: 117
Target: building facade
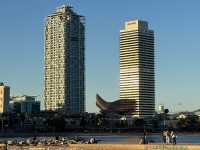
x: 64, y: 61
x: 4, y: 98
x: 161, y: 108
x: 24, y: 104
x: 137, y: 67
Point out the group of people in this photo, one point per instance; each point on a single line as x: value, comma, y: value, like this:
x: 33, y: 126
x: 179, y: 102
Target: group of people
x: 169, y: 137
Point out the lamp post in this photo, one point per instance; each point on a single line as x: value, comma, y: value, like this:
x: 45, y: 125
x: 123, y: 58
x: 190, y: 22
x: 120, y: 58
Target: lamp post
x: 166, y: 111
x: 1, y: 124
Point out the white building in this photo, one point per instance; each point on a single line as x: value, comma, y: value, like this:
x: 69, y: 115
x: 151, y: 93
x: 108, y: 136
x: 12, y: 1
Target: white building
x: 4, y: 98
x: 64, y: 61
x: 161, y: 109
x: 137, y: 67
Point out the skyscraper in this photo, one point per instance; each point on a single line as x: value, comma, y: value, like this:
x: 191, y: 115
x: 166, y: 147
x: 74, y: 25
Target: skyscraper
x: 137, y: 67
x: 64, y: 61
x: 4, y: 98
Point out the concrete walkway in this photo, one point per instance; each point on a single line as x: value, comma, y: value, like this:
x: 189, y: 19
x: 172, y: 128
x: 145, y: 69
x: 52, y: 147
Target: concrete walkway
x: 133, y: 147
x: 105, y: 147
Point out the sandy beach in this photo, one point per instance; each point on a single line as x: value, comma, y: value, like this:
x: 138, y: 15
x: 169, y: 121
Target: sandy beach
x: 105, y: 147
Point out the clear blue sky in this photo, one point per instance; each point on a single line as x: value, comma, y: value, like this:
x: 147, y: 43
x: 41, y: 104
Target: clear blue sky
x: 177, y: 46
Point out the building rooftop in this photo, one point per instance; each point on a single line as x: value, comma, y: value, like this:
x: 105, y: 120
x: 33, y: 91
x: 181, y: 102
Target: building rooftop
x: 63, y: 8
x: 3, y: 85
x: 23, y: 98
x: 135, y: 25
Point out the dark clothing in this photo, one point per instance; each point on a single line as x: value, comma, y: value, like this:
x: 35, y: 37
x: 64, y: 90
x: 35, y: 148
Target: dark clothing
x: 174, y: 140
x: 145, y: 137
x: 164, y: 139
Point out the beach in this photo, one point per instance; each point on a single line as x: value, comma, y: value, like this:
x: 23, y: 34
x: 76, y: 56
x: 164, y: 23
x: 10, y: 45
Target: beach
x: 111, y: 141
x: 106, y: 147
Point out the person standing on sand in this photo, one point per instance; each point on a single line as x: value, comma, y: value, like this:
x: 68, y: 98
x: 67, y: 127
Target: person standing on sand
x: 171, y: 134
x: 173, y: 137
x: 164, y: 136
x: 145, y: 137
x: 167, y: 137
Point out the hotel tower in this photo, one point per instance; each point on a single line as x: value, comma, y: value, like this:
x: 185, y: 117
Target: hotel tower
x: 64, y: 61
x: 137, y: 67
x: 4, y: 98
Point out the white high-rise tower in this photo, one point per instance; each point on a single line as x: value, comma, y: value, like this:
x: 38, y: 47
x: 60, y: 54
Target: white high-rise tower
x: 137, y: 67
x: 64, y: 61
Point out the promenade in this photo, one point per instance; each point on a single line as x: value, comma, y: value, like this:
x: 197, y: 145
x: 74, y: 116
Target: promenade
x: 134, y: 147
x: 105, y: 147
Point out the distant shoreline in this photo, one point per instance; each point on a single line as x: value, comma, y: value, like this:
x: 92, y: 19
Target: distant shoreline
x: 50, y: 134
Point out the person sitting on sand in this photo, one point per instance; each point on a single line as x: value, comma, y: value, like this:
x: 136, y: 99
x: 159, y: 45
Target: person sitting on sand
x: 92, y: 140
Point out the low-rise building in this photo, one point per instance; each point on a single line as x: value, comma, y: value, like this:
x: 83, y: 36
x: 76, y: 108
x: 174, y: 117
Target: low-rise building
x: 24, y: 104
x: 161, y: 108
x: 197, y: 113
x: 184, y: 115
x: 4, y: 98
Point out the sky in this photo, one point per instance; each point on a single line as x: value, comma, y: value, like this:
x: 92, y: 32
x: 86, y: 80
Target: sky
x: 177, y: 47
